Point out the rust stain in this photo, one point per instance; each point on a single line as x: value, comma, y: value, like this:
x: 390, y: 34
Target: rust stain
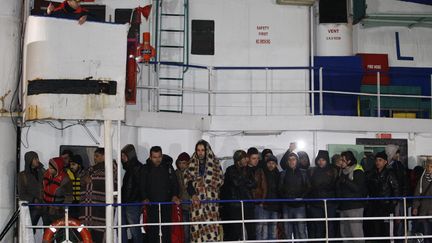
x: 32, y: 112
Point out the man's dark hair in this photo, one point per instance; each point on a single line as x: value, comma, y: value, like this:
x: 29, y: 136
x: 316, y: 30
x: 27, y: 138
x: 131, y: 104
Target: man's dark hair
x: 68, y: 152
x: 349, y: 156
x: 100, y: 151
x: 155, y: 149
x: 252, y: 151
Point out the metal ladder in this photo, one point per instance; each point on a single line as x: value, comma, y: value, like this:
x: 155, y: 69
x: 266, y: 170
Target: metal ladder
x: 172, y: 48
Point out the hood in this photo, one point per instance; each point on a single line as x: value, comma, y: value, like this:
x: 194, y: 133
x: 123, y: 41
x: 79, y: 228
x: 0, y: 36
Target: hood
x: 303, y: 155
x: 391, y: 150
x: 322, y: 154
x: 28, y: 158
x: 57, y: 163
x: 284, y: 160
x: 130, y: 152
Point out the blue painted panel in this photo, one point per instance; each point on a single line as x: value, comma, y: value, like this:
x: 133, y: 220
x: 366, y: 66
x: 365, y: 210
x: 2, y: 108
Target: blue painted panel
x: 427, y: 2
x: 412, y: 76
x: 339, y: 74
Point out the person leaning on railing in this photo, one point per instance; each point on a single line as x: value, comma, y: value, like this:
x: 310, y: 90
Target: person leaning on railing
x: 423, y: 207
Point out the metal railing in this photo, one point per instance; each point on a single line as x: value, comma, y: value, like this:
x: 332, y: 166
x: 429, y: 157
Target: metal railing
x: 267, y: 69
x: 405, y: 218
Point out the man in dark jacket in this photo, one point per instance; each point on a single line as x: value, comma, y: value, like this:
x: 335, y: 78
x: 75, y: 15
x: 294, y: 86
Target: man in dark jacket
x: 323, y: 185
x: 30, y: 184
x: 238, y: 185
x: 351, y: 184
x: 294, y: 184
x: 133, y: 191
x: 272, y: 209
x: 260, y: 192
x: 381, y: 182
x: 161, y: 186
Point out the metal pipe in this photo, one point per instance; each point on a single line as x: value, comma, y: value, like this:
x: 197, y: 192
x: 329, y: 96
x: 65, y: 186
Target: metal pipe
x: 205, y: 91
x: 243, y: 221
x: 160, y: 223
x: 378, y: 94
x: 326, y: 220
x: 119, y: 181
x: 266, y: 89
x: 405, y: 220
x: 109, y: 187
x: 67, y: 224
x: 209, y: 90
x: 321, y: 100
x: 312, y: 61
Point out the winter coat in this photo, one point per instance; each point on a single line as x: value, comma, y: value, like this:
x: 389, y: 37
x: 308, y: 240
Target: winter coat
x: 351, y: 184
x: 293, y: 183
x: 424, y: 206
x: 30, y: 187
x: 238, y: 184
x: 401, y: 175
x: 272, y: 178
x: 161, y: 181
x: 260, y: 192
x: 133, y: 187
x: 323, y: 182
x: 383, y: 184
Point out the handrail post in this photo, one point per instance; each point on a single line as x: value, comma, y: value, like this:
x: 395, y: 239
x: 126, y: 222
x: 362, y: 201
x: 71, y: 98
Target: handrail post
x: 405, y: 220
x: 209, y: 69
x: 430, y: 111
x: 326, y: 220
x: 378, y: 94
x: 160, y: 222
x: 243, y: 221
x: 157, y: 91
x: 119, y: 182
x: 312, y: 88
x: 321, y: 99
x: 266, y: 91
x: 67, y: 223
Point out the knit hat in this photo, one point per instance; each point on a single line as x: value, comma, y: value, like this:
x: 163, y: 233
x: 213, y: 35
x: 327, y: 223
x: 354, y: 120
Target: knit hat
x: 381, y: 155
x: 77, y: 159
x: 183, y: 157
x: 272, y: 158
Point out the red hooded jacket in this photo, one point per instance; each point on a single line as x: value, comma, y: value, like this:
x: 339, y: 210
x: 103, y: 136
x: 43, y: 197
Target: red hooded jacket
x: 51, y: 184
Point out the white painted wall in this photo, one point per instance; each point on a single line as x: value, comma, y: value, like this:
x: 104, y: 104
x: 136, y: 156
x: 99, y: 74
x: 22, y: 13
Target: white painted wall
x: 10, y: 39
x: 414, y: 42
x: 237, y: 29
x: 224, y: 143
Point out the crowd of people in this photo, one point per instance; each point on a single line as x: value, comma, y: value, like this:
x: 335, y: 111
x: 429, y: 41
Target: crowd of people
x: 247, y: 185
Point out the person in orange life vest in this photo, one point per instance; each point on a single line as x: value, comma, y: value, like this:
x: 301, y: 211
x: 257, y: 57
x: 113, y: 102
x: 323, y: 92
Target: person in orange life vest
x: 75, y: 172
x: 57, y: 188
x: 70, y: 9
